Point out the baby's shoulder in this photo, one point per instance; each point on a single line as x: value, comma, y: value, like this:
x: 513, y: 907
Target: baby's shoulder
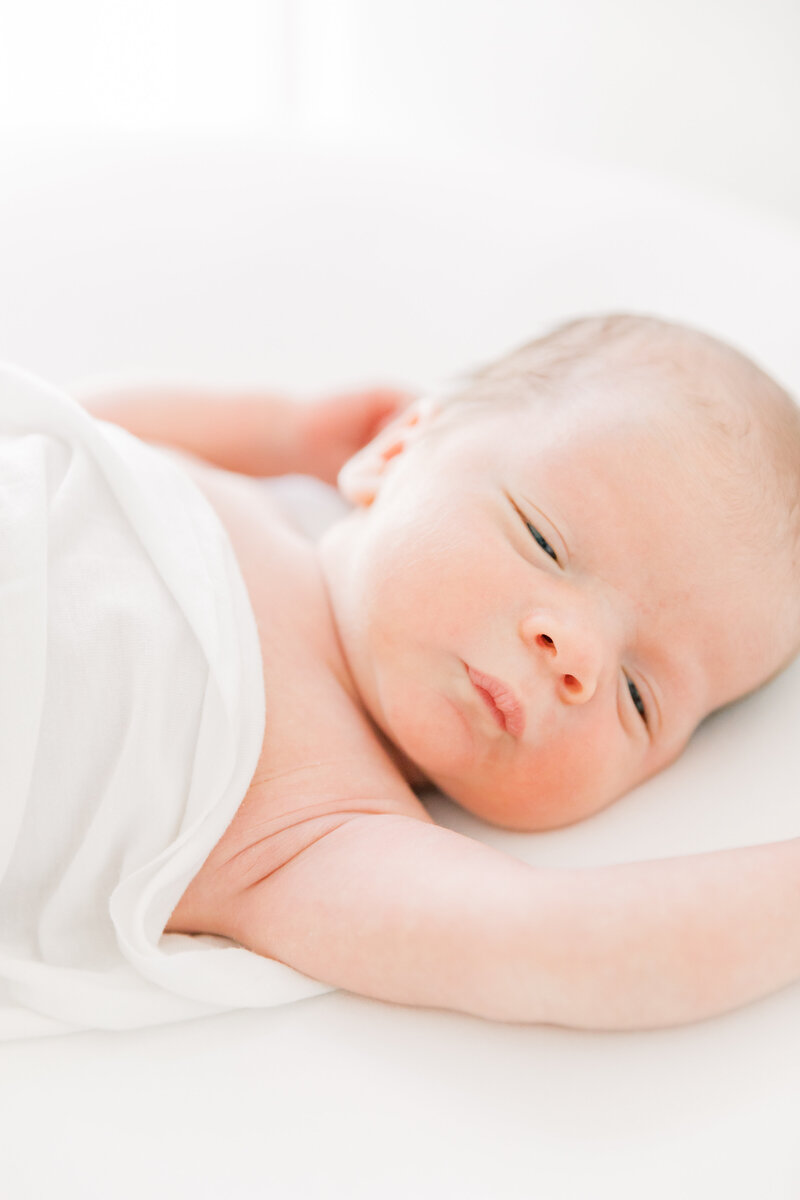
x: 321, y: 758
x: 321, y: 761
x: 320, y: 765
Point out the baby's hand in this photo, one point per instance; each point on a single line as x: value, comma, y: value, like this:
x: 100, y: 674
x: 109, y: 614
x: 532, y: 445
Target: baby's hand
x: 333, y: 428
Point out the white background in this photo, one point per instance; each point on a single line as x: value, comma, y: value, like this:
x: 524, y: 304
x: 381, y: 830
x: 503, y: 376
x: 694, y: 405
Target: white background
x: 127, y: 256
x: 704, y: 91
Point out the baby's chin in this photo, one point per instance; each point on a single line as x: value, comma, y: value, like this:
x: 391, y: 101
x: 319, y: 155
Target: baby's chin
x: 421, y: 729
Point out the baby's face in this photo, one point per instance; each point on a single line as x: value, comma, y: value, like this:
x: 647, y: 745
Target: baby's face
x: 566, y: 563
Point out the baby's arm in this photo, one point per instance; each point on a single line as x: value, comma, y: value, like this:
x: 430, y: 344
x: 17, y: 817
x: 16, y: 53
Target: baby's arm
x: 254, y: 433
x: 402, y: 910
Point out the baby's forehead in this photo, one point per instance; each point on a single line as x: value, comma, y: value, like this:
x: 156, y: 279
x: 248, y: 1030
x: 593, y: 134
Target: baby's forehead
x: 669, y: 412
x: 650, y: 506
x: 606, y: 417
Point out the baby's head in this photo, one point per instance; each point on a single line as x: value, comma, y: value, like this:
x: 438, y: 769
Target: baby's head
x: 601, y: 531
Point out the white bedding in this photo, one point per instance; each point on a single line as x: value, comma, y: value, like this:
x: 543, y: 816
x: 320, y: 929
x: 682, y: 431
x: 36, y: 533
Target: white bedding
x: 131, y: 721
x: 247, y: 264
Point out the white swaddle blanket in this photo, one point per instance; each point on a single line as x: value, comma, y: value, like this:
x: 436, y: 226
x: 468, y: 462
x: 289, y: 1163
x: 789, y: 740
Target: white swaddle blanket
x: 131, y: 720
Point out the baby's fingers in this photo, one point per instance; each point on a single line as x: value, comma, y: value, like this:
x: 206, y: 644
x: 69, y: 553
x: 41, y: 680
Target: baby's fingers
x: 388, y: 403
x: 372, y: 408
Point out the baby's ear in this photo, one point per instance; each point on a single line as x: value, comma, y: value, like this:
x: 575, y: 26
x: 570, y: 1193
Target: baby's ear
x: 360, y: 478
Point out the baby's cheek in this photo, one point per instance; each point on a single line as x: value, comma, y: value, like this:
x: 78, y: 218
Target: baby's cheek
x: 427, y: 723
x: 569, y: 780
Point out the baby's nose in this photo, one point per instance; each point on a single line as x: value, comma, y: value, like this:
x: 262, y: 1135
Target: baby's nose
x: 572, y: 654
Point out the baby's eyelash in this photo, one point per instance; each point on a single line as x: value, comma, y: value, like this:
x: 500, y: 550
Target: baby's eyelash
x: 548, y: 549
x: 637, y: 699
x: 633, y: 690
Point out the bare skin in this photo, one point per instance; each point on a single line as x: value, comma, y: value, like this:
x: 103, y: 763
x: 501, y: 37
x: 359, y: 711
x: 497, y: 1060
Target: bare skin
x: 333, y: 866
x: 322, y: 759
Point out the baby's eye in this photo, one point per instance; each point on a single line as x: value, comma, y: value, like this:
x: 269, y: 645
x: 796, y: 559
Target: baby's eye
x: 548, y: 549
x: 637, y: 699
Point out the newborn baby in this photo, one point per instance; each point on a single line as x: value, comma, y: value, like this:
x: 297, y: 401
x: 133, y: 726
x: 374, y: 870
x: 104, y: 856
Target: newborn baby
x: 549, y: 577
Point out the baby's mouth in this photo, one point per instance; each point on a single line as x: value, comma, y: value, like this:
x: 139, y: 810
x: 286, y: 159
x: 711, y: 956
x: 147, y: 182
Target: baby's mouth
x: 500, y: 700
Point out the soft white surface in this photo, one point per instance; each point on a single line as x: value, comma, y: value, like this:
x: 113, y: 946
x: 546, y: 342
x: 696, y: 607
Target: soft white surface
x: 131, y: 722
x: 244, y: 265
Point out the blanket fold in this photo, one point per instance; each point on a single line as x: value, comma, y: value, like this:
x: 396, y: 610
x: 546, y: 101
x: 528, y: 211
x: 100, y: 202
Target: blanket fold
x: 131, y: 719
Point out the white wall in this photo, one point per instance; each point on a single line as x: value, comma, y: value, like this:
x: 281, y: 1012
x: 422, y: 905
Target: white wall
x: 706, y: 91
x: 141, y: 64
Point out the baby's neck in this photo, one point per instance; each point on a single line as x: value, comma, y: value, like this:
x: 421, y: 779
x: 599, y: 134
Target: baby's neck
x: 332, y: 549
x: 413, y: 776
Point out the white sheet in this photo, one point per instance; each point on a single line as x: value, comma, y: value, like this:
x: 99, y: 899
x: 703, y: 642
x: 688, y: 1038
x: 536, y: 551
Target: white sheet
x: 131, y: 720
x: 235, y: 264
